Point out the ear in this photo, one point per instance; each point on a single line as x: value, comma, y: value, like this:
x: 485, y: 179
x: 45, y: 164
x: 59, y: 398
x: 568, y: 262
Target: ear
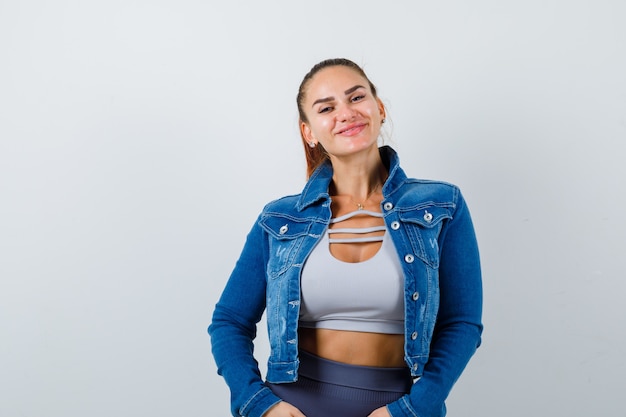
x: 381, y: 109
x: 305, y: 131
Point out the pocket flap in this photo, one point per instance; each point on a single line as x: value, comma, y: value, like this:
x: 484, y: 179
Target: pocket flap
x: 284, y: 227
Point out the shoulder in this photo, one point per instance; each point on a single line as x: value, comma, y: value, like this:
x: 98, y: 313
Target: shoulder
x: 284, y: 206
x: 416, y: 192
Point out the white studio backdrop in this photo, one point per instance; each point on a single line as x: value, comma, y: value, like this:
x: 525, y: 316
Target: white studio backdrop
x: 140, y: 139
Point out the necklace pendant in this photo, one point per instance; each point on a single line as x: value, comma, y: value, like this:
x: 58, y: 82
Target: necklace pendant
x: 359, y: 206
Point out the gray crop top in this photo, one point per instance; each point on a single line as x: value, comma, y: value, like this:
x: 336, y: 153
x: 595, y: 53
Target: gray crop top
x: 365, y: 296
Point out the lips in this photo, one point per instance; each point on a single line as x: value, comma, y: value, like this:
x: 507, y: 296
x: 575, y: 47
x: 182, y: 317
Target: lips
x: 352, y: 129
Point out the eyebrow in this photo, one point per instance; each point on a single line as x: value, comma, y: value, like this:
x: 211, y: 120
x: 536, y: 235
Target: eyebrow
x: 327, y: 99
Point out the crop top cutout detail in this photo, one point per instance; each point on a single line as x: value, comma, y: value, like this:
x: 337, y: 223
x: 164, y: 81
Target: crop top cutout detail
x: 364, y: 296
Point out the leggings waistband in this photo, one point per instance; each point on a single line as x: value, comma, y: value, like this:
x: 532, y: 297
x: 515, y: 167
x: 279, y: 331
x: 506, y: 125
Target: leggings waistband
x: 364, y: 377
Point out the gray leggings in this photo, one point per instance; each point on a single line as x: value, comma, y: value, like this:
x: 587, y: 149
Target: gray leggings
x: 328, y: 388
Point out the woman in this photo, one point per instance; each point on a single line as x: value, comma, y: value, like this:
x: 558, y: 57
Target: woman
x: 370, y: 280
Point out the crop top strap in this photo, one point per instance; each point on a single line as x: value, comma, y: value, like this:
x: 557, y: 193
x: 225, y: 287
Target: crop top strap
x: 362, y: 239
x: 356, y: 213
x: 356, y: 230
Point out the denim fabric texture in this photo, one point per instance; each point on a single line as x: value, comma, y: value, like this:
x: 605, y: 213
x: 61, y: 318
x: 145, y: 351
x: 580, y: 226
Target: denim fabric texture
x: 432, y: 231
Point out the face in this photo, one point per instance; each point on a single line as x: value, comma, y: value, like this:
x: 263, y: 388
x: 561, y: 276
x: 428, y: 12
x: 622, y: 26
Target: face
x: 343, y: 114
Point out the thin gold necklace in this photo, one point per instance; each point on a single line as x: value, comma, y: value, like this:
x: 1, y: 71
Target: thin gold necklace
x: 361, y: 206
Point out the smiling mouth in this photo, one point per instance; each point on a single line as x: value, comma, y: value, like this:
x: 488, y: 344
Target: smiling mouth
x: 352, y: 129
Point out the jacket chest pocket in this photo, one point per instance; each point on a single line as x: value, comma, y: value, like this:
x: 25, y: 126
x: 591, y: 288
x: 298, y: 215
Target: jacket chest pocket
x: 286, y: 236
x: 423, y: 227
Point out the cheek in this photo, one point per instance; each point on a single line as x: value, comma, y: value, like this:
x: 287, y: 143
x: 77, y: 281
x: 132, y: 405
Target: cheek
x: 321, y: 127
x: 372, y: 111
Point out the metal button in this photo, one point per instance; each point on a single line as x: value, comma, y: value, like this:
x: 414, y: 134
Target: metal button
x: 395, y: 225
x: 416, y: 295
x: 415, y: 366
x: 409, y: 258
x: 413, y: 335
x: 428, y: 217
x: 283, y: 229
x: 388, y: 205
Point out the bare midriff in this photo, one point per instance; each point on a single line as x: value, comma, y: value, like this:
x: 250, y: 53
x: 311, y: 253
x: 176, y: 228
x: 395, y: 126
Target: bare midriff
x: 354, y: 348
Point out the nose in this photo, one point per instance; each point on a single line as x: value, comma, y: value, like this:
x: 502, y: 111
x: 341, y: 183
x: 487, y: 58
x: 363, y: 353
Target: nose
x: 345, y: 113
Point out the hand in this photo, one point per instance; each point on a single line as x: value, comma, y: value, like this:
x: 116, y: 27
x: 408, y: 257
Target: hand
x: 283, y: 409
x: 380, y: 412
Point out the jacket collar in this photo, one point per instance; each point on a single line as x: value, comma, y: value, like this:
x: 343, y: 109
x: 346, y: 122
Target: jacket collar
x: 316, y: 187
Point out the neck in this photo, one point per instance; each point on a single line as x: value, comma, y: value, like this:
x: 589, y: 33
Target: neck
x: 358, y: 178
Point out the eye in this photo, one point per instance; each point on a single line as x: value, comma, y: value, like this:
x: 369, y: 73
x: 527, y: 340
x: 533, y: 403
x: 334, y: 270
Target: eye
x: 325, y: 109
x: 358, y: 98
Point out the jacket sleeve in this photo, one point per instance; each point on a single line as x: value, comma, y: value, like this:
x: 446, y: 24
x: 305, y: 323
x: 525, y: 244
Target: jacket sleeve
x: 233, y: 329
x: 458, y: 327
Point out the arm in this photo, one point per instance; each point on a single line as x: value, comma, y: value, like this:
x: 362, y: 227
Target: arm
x: 233, y: 329
x: 458, y: 327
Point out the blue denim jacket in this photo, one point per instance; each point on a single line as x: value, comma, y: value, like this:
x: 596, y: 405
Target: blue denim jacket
x: 432, y: 231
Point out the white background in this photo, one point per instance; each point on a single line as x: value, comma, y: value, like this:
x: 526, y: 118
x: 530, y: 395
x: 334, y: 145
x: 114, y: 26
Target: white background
x: 139, y: 140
